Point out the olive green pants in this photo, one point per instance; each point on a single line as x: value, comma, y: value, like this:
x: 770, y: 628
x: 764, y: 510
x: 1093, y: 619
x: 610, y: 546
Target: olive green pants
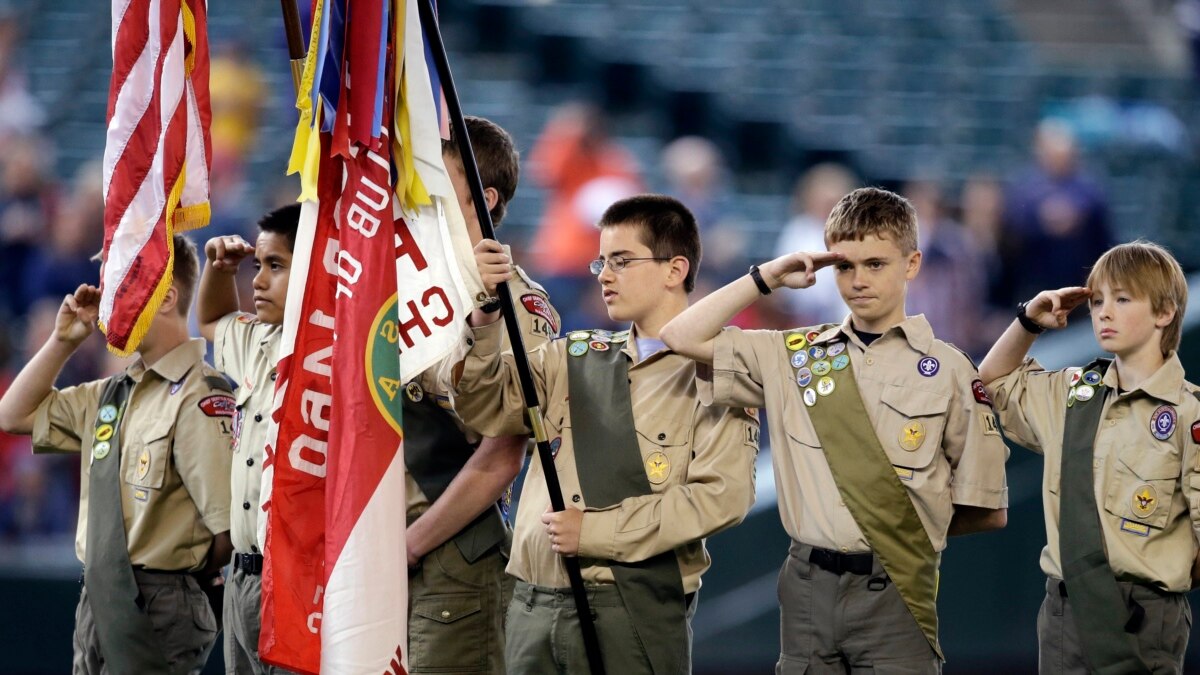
x: 179, y: 611
x: 1162, y: 634
x: 243, y: 622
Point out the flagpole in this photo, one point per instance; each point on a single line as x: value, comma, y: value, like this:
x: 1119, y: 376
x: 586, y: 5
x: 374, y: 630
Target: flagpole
x: 429, y: 22
x: 295, y: 41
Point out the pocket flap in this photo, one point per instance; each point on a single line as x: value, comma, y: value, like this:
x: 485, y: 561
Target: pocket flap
x: 447, y: 607
x: 914, y: 402
x: 664, y: 432
x: 1149, y: 464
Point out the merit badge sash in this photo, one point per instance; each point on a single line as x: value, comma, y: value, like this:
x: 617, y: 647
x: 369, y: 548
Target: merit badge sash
x: 1101, y: 613
x: 865, y: 477
x: 609, y: 463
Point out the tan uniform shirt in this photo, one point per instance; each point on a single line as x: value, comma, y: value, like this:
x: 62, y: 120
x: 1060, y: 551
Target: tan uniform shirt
x: 175, y: 440
x: 539, y: 324
x: 959, y: 459
x: 707, y: 485
x: 248, y: 350
x: 1147, y: 487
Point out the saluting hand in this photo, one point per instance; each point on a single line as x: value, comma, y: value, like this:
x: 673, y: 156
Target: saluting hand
x: 563, y: 530
x: 494, y: 264
x: 77, y: 315
x: 1049, y: 309
x: 799, y: 269
x: 226, y: 253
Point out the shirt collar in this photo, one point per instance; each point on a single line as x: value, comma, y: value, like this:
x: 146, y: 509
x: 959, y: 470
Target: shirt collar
x: 1165, y: 384
x: 915, y: 329
x: 174, y: 365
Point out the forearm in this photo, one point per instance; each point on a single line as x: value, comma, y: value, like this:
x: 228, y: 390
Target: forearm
x: 217, y: 297
x: 219, y: 553
x: 1007, y: 354
x: 33, y: 384
x: 692, y: 332
x: 971, y: 519
x: 483, y: 480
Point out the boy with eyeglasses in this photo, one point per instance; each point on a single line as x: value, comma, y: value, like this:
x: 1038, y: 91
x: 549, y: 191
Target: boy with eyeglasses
x: 647, y: 471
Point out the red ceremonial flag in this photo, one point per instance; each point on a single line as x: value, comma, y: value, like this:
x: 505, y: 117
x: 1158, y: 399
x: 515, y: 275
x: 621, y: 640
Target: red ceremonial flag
x: 156, y: 157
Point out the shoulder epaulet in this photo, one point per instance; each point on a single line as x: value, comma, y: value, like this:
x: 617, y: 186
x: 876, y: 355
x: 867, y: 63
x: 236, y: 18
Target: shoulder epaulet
x: 219, y: 383
x: 1196, y: 393
x: 528, y: 281
x: 965, y: 355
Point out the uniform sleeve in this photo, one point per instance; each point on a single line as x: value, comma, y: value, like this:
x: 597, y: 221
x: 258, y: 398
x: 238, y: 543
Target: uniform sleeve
x: 202, y: 451
x: 736, y: 378
x: 718, y: 493
x: 538, y: 319
x: 59, y: 421
x: 488, y: 396
x: 235, y: 337
x: 1028, y: 401
x: 973, y: 445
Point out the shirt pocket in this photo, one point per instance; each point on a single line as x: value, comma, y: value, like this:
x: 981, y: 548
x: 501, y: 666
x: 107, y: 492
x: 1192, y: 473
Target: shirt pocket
x: 1142, y: 485
x: 147, y: 456
x: 910, y: 425
x: 666, y: 450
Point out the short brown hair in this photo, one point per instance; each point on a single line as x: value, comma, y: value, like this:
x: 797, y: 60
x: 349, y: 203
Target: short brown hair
x: 667, y: 228
x: 873, y: 212
x: 1148, y: 271
x: 186, y: 269
x: 497, y: 157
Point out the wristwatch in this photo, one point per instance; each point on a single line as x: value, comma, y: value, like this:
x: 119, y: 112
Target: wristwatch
x: 1027, y: 323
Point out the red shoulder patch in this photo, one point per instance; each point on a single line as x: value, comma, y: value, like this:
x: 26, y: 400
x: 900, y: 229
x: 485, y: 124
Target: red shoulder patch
x: 1196, y: 431
x: 218, y: 406
x: 537, y: 305
x: 981, y: 393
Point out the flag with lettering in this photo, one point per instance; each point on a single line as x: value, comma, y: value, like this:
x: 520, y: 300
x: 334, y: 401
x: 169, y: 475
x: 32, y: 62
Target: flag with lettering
x: 157, y: 155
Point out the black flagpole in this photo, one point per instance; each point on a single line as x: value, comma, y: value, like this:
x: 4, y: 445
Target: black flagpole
x: 430, y: 25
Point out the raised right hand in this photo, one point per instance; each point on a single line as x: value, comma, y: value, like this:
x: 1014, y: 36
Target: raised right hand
x: 77, y: 315
x: 226, y: 253
x: 799, y: 269
x: 1049, y: 309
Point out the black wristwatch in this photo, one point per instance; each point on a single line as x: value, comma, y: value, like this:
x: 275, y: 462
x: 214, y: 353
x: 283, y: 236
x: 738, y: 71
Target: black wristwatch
x: 1027, y: 323
x: 758, y: 280
x: 492, y: 305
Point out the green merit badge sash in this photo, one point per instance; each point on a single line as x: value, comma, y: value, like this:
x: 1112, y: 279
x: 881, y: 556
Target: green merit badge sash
x: 865, y: 477
x: 435, y: 450
x: 1098, y: 605
x: 127, y: 638
x: 609, y: 463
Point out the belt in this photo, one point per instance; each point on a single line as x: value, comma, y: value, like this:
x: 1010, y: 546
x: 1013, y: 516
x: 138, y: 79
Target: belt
x: 842, y: 563
x: 250, y: 563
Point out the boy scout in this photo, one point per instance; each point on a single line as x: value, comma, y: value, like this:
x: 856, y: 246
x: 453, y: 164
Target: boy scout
x: 1119, y: 489
x: 456, y: 483
x: 884, y: 444
x: 154, y: 496
x: 647, y: 471
x: 245, y: 346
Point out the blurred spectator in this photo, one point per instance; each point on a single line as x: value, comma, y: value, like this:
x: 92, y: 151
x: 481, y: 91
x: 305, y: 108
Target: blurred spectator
x: 238, y: 94
x: 584, y: 172
x: 696, y: 176
x: 982, y: 207
x: 1188, y: 13
x: 27, y: 199
x: 1056, y: 219
x: 65, y: 259
x: 815, y: 195
x: 20, y: 113
x: 951, y: 289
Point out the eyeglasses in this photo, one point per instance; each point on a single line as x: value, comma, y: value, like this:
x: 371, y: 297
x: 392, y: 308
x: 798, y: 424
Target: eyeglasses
x: 615, y: 263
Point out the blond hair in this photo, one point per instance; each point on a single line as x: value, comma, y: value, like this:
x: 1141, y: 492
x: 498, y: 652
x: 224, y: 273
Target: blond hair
x: 1146, y: 270
x: 873, y: 212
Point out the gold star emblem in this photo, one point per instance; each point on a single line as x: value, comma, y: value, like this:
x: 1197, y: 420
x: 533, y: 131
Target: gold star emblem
x: 658, y: 467
x: 912, y: 436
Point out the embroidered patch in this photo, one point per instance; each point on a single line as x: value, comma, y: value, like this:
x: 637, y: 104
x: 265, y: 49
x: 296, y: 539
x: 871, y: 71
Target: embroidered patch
x: 1196, y: 431
x: 1144, y: 501
x: 981, y: 393
x: 101, y: 450
x: 812, y: 335
x: 1075, y: 377
x: 836, y: 348
x: 218, y: 405
x: 799, y: 359
x: 912, y: 436
x: 810, y: 397
x: 597, y: 337
x: 804, y: 377
x: 537, y: 305
x: 816, y: 353
x: 598, y: 345
x: 1092, y: 377
x: 903, y: 472
x: 821, y: 367
x: 141, y: 494
x: 1084, y: 392
x: 928, y: 366
x: 658, y: 467
x: 1162, y: 424
x: 554, y: 446
x: 795, y: 342
x: 246, y: 318
x: 752, y: 435
x: 825, y: 386
x: 1140, y: 529
x: 841, y: 361
x: 143, y: 465
x: 577, y: 348
x: 414, y: 392
x: 988, y: 422
x: 108, y: 414
x: 104, y: 432
x: 579, y: 335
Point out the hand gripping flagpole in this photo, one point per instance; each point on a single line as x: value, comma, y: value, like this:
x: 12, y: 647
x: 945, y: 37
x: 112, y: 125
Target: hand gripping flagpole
x: 430, y: 25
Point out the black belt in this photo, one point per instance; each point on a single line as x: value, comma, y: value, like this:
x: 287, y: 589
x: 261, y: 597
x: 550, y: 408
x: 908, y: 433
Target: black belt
x: 842, y: 563
x: 250, y: 563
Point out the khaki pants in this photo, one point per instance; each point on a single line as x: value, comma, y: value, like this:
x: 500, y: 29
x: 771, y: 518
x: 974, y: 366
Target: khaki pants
x: 544, y: 637
x: 456, y: 613
x: 179, y: 611
x: 1162, y: 636
x: 243, y: 620
x: 847, y: 623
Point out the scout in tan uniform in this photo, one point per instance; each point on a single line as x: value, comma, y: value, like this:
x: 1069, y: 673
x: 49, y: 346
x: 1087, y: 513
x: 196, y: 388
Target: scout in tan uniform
x: 1121, y: 486
x: 885, y: 442
x: 245, y: 346
x: 457, y: 484
x: 647, y: 472
x: 154, y: 500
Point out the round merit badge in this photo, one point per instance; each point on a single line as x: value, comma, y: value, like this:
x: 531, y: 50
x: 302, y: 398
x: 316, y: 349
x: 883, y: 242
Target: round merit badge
x: 810, y: 397
x: 104, y: 432
x: 1091, y: 377
x: 100, y: 450
x: 912, y: 436
x: 1084, y: 392
x: 108, y: 414
x: 1144, y: 501
x: 658, y: 467
x: 817, y: 352
x: 577, y: 348
x: 618, y: 338
x: 928, y: 366
x: 803, y: 377
x: 836, y: 348
x: 841, y: 361
x: 598, y: 345
x: 579, y: 335
x: 795, y: 342
x: 812, y: 335
x: 825, y: 386
x: 1162, y: 424
x: 1075, y: 377
x: 414, y: 392
x: 821, y: 367
x: 597, y: 337
x: 799, y: 359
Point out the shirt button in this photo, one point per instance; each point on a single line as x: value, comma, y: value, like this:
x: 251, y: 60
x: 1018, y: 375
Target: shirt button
x: 1112, y: 423
x: 246, y: 505
x: 249, y: 461
x: 273, y: 376
x: 662, y: 437
x: 841, y: 503
x: 445, y: 614
x: 254, y: 548
x: 844, y: 549
x: 257, y: 417
x: 870, y: 361
x: 470, y: 342
x: 575, y: 498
